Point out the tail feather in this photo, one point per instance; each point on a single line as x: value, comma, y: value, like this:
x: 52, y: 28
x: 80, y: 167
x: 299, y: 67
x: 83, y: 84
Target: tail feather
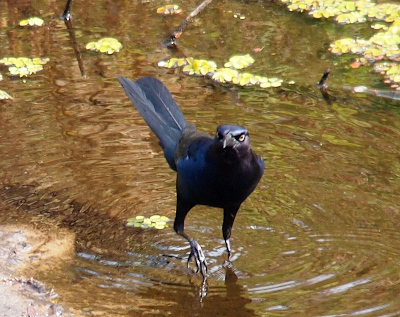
x: 160, y: 111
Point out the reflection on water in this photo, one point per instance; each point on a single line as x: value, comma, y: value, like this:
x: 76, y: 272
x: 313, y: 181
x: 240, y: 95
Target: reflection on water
x: 319, y: 237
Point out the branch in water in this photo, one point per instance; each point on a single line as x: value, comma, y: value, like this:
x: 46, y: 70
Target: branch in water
x: 170, y: 41
x: 67, y: 15
x: 323, y: 87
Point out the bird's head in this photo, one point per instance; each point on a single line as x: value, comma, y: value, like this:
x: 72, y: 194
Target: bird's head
x: 233, y: 137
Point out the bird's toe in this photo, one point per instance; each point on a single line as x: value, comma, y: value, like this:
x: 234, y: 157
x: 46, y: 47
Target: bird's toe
x: 197, y: 253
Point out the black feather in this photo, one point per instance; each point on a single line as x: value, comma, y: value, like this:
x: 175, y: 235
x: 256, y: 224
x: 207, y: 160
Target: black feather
x: 160, y: 111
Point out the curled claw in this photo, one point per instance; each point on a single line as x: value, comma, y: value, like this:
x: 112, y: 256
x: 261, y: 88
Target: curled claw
x: 200, y: 259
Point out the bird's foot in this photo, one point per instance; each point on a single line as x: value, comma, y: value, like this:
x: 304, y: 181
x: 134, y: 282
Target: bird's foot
x: 197, y: 253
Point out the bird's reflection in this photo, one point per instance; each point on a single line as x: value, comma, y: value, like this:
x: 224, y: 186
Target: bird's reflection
x: 206, y: 298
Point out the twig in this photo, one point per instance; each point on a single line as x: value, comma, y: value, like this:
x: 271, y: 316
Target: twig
x: 321, y: 84
x: 67, y: 15
x: 74, y: 44
x: 170, y: 41
x: 323, y: 87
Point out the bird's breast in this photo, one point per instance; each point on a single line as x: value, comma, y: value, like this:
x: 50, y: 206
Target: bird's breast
x: 215, y: 183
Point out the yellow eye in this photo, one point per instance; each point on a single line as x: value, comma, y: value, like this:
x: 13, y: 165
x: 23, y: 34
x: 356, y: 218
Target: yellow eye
x: 241, y: 137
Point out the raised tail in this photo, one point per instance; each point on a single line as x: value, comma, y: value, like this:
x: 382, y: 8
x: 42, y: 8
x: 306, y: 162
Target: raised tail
x: 160, y: 111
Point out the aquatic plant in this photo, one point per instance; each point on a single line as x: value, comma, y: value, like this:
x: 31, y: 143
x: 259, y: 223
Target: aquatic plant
x: 108, y: 45
x: 154, y: 221
x: 34, y: 21
x: 229, y: 74
x: 383, y: 45
x: 169, y: 9
x: 24, y: 66
x: 4, y: 95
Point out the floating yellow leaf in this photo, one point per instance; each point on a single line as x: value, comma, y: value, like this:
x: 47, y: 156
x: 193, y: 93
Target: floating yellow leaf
x: 240, y: 61
x: 245, y: 79
x: 35, y: 21
x: 155, y: 221
x: 265, y: 85
x: 19, y: 63
x: 276, y: 82
x: 379, y: 26
x: 4, y: 95
x: 395, y: 78
x: 169, y: 9
x: 160, y: 225
x: 317, y: 14
x: 224, y: 75
x: 91, y: 46
x: 199, y: 67
x: 106, y: 45
x: 173, y: 63
x: 24, y: 66
x: 146, y: 221
x: 350, y: 6
x: 208, y: 68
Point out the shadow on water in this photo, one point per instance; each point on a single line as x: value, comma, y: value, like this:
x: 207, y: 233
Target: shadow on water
x: 319, y: 237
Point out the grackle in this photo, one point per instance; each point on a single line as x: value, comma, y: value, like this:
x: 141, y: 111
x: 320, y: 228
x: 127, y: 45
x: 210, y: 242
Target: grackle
x: 219, y: 171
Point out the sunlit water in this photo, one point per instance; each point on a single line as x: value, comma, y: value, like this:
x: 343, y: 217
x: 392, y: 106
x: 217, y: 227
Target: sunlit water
x: 319, y: 237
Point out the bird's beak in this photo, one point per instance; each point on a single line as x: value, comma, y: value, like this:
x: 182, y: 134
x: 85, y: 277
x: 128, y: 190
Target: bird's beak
x: 228, y: 141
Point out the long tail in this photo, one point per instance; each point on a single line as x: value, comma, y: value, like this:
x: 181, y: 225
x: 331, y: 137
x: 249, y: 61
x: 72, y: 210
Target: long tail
x: 160, y: 111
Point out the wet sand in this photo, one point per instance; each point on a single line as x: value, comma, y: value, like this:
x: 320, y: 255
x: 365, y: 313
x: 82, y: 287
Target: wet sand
x: 25, y: 251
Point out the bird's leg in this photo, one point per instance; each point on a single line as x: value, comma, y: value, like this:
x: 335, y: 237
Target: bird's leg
x: 195, y: 252
x: 195, y: 249
x: 229, y: 218
x: 228, y: 248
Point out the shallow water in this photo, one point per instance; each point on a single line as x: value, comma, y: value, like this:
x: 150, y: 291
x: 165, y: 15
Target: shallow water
x: 319, y: 236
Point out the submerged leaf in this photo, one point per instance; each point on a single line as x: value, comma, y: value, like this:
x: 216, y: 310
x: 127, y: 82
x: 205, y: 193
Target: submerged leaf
x: 334, y: 140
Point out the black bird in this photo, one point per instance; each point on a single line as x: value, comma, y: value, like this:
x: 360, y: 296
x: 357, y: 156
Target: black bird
x: 218, y: 172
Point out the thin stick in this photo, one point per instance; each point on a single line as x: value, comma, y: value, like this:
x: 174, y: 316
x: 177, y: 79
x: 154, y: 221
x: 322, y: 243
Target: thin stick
x: 179, y: 30
x: 323, y: 87
x: 74, y: 44
x: 324, y: 77
x: 67, y: 15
